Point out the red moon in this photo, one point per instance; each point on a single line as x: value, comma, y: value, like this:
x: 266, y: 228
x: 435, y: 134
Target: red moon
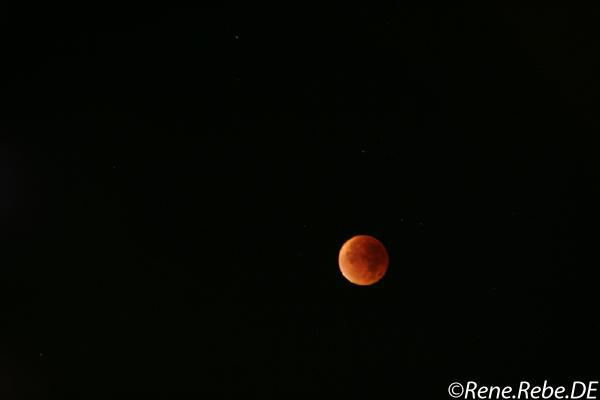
x: 363, y: 260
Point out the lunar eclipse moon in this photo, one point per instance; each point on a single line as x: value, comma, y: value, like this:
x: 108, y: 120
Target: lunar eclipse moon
x: 363, y: 260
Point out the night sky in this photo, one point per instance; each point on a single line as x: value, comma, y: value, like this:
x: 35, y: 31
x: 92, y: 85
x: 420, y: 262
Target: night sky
x: 175, y: 186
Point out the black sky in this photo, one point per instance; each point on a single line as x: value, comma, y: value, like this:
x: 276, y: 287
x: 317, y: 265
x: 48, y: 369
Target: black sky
x: 175, y: 185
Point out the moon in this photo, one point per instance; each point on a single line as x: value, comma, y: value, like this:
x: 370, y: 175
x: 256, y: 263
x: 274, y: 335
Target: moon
x: 363, y: 260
